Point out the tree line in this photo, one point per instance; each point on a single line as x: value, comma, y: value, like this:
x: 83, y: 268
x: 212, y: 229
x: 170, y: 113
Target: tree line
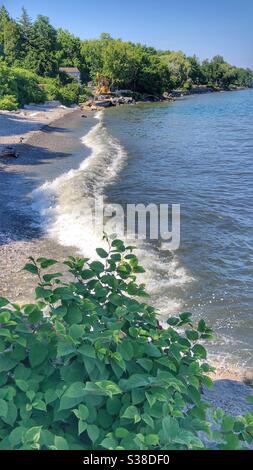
x: 40, y: 48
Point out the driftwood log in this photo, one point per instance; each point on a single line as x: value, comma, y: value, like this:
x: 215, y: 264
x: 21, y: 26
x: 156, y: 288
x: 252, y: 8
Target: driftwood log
x: 9, y: 152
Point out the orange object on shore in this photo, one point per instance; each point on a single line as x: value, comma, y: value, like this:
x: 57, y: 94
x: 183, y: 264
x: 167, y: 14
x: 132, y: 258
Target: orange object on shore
x: 102, y: 85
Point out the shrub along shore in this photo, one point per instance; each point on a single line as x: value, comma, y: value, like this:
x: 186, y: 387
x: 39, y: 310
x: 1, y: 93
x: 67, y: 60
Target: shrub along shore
x: 32, y: 53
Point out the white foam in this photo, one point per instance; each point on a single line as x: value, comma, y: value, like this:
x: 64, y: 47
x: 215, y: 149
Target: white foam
x: 65, y: 206
x: 65, y: 203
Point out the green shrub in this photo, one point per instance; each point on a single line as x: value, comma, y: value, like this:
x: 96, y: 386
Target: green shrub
x: 28, y: 87
x: 22, y: 84
x: 88, y: 366
x: 51, y: 87
x: 69, y: 94
x: 8, y: 102
x: 82, y: 98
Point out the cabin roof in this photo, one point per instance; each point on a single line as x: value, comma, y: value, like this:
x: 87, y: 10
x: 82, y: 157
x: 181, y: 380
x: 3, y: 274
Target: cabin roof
x: 69, y: 69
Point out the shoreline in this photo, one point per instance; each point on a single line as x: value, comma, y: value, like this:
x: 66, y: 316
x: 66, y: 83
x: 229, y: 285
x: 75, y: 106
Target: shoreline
x: 39, y: 152
x: 16, y: 252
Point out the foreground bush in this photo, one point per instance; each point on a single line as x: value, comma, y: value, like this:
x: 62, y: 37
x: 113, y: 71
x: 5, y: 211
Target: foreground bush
x: 8, y: 102
x: 87, y: 366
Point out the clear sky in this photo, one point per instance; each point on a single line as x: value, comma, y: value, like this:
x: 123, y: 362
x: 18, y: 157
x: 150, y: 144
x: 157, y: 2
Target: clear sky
x: 203, y: 27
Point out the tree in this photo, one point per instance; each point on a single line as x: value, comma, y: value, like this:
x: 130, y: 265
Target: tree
x: 195, y: 73
x: 244, y: 77
x: 4, y: 18
x: 25, y: 25
x: 68, y: 49
x: 41, y: 52
x: 178, y: 66
x: 12, y: 42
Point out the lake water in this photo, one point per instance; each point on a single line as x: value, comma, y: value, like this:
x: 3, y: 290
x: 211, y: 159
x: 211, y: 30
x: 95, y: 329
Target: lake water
x: 196, y: 152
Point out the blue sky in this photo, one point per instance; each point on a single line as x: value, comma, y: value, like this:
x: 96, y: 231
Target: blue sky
x: 203, y: 27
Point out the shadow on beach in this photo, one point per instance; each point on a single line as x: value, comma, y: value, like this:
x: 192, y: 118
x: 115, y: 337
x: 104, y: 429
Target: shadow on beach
x: 17, y: 220
x: 53, y: 150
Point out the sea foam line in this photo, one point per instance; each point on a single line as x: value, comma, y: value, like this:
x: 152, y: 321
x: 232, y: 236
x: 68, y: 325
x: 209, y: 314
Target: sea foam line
x: 66, y: 204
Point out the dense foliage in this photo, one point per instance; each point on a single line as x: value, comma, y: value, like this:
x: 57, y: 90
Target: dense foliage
x: 88, y: 366
x: 40, y: 48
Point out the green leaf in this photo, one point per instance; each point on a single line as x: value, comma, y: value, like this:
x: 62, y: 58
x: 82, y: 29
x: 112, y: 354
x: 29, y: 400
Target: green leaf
x: 152, y: 439
x: 64, y: 348
x: 199, y: 351
x: 67, y: 403
x: 88, y: 305
x: 3, y: 408
x: 147, y: 364
x: 185, y: 316
x: 82, y: 412
x: 34, y: 313
x: 3, y: 302
x: 82, y: 426
x: 126, y: 349
x: 227, y: 423
x: 97, y: 267
x: 40, y: 405
x: 22, y: 384
x: 33, y: 434
x: 87, y: 274
x: 6, y: 363
x: 148, y: 420
x: 74, y: 314
x: 202, y: 326
x: 46, y: 263
x: 101, y: 252
x: 75, y: 390
x: 113, y: 406
x: 167, y: 362
x: 31, y: 268
x: 108, y: 387
x: 192, y: 335
x: 61, y: 443
x: 12, y: 414
x: 16, y: 436
x: 49, y: 277
x: 231, y: 442
x: 118, y: 244
x: 152, y: 351
x: 50, y: 396
x: 132, y: 413
x: 121, y: 433
x: 93, y: 432
x: 37, y: 354
x: 135, y: 381
x: 87, y: 351
x: 170, y: 428
x: 109, y: 443
x: 115, y: 299
x: 5, y: 316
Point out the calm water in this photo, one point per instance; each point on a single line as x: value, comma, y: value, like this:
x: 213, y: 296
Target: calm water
x: 197, y: 152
